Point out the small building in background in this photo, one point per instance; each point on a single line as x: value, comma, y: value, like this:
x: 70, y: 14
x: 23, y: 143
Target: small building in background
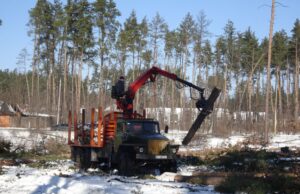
x: 13, y: 116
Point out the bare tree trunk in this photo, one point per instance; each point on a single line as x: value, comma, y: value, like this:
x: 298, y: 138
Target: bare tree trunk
x: 76, y: 88
x: 271, y: 98
x: 215, y: 73
x: 101, y: 85
x: 250, y: 88
x: 199, y: 73
x: 296, y: 75
x: 88, y: 88
x: 194, y: 69
x: 183, y: 99
x: 276, y: 99
x: 66, y: 70
x: 155, y: 54
x: 137, y: 100
x: 48, y: 92
x: 58, y: 104
x: 83, y: 92
x: 250, y: 98
x: 79, y: 78
x: 181, y: 60
x: 53, y: 92
x: 72, y: 85
x: 206, y: 72
x: 239, y: 94
x: 194, y: 82
x: 38, y: 88
x: 225, y: 86
x: 250, y: 75
x: 27, y: 83
x: 279, y: 97
x: 52, y: 77
x: 288, y: 84
x: 266, y: 134
x: 34, y: 65
x: 165, y: 96
x: 257, y: 92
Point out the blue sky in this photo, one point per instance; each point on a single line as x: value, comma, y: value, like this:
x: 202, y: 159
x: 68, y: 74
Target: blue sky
x: 244, y: 13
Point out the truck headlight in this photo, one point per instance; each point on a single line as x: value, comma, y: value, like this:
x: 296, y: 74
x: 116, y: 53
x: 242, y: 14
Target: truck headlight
x: 141, y: 149
x: 174, y: 150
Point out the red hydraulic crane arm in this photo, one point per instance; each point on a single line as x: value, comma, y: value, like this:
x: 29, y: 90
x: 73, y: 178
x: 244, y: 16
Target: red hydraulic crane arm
x: 151, y: 74
x: 125, y: 98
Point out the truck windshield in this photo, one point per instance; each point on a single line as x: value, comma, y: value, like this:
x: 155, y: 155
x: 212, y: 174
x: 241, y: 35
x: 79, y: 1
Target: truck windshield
x: 142, y: 127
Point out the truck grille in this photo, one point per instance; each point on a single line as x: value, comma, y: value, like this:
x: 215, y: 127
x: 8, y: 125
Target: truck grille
x: 156, y: 146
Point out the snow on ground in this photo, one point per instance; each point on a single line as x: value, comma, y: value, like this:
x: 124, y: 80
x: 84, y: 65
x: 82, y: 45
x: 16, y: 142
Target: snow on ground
x: 283, y: 140
x: 60, y: 178
x: 29, y: 138
x: 210, y: 142
x: 207, y: 142
x: 189, y: 170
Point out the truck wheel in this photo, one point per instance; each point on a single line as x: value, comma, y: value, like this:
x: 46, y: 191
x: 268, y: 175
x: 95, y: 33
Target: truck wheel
x: 169, y: 167
x: 74, y: 154
x: 84, y: 161
x: 173, y: 166
x: 126, y: 165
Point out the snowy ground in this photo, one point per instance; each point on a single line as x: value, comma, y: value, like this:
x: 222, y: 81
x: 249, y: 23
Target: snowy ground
x: 28, y: 138
x: 210, y: 142
x: 61, y: 178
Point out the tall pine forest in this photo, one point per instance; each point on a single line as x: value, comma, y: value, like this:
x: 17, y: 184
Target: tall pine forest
x: 80, y: 49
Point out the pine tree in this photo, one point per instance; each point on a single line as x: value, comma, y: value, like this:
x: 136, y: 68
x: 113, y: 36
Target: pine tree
x: 201, y: 33
x: 219, y: 60
x: 157, y: 29
x: 42, y: 24
x: 121, y: 46
x: 186, y: 32
x: 207, y: 57
x: 141, y: 43
x: 80, y: 34
x: 22, y: 60
x: 106, y: 14
x: 295, y: 44
x: 279, y: 52
x: 131, y: 32
x: 248, y: 57
x: 266, y: 135
x: 229, y: 56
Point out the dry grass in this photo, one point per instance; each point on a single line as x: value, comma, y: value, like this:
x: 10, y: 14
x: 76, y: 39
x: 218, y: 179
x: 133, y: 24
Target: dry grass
x: 57, y: 147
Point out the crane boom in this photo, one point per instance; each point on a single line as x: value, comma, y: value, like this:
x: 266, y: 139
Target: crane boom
x: 151, y: 74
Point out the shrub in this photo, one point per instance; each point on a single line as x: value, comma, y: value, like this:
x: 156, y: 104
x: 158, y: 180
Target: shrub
x: 5, y: 146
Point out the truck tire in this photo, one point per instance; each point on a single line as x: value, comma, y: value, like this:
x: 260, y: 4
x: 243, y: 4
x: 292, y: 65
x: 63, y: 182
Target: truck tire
x: 169, y: 167
x: 87, y: 159
x: 126, y: 165
x: 74, y: 154
x: 82, y: 157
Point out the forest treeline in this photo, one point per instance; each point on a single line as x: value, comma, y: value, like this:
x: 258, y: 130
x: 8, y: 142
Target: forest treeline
x: 81, y: 48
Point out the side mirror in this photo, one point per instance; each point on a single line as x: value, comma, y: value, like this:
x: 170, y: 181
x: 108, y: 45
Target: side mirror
x: 166, y: 129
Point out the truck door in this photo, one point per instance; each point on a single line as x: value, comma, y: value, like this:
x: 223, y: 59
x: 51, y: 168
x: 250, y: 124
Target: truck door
x: 119, y: 134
